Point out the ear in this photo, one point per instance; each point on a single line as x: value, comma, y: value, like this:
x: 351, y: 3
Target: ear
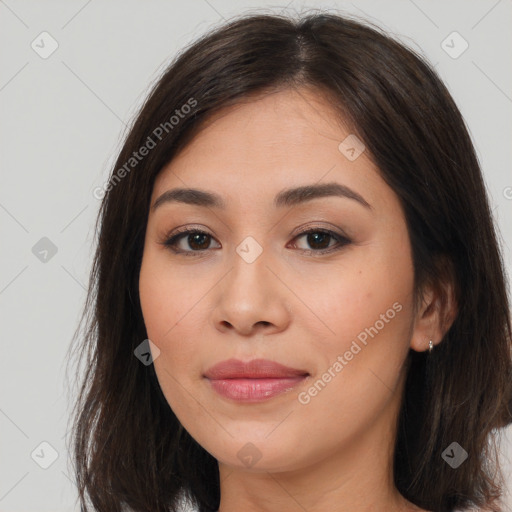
x: 435, y: 314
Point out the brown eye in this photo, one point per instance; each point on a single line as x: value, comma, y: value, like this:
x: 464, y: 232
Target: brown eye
x: 319, y: 240
x: 196, y: 240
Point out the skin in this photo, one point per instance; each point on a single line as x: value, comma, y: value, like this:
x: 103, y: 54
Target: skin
x: 290, y: 306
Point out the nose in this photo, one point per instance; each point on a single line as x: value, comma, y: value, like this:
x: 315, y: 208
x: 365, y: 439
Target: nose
x: 250, y: 299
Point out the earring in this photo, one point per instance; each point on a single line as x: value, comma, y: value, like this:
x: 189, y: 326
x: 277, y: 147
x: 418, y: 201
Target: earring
x: 430, y: 346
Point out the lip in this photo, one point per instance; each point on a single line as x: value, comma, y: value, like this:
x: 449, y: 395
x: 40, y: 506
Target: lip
x: 255, y: 369
x: 253, y: 381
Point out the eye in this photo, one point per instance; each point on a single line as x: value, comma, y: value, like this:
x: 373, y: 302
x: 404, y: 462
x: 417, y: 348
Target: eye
x: 199, y: 241
x: 320, y: 239
x: 196, y: 239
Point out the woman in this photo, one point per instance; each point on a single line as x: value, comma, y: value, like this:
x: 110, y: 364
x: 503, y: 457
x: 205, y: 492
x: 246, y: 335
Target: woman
x: 298, y: 300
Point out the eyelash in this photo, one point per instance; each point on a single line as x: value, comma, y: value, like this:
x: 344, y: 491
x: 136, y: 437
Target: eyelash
x: 171, y: 242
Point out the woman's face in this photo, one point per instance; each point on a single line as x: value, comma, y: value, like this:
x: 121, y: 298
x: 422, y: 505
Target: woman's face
x: 337, y: 307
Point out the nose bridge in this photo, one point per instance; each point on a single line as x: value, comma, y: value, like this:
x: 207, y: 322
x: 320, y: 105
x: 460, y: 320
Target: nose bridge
x: 249, y: 268
x: 250, y: 293
x: 250, y: 250
x: 250, y: 233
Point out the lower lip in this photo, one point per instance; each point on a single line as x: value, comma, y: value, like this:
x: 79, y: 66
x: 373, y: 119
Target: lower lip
x: 254, y: 390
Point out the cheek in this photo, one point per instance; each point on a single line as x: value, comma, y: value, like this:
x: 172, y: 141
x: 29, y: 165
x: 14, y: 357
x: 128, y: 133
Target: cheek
x: 169, y: 316
x: 162, y: 309
x: 368, y: 312
x: 365, y: 291
x: 361, y: 365
x: 167, y: 297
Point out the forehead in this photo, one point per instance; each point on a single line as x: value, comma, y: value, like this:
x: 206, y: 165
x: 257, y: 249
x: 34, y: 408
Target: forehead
x: 267, y: 143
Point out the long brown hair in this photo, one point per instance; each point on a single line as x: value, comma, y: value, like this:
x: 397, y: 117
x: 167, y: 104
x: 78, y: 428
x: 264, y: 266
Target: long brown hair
x: 129, y: 448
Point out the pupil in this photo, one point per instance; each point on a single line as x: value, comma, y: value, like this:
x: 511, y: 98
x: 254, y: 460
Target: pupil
x: 195, y: 236
x: 315, y: 237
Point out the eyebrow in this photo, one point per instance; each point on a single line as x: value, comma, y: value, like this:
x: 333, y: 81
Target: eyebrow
x: 286, y: 198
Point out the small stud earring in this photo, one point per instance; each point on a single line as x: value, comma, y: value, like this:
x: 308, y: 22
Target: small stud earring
x: 430, y: 346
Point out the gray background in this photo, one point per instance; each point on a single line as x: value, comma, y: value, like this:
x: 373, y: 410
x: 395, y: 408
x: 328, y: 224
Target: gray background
x: 63, y: 119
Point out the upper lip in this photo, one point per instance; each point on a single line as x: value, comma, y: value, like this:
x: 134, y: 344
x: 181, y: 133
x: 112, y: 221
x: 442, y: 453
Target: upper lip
x: 255, y: 369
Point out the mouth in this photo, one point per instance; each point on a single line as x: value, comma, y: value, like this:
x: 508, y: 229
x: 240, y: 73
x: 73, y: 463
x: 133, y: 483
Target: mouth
x: 254, y: 381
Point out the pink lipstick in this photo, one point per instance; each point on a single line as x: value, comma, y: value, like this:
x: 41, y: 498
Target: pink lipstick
x: 254, y: 381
